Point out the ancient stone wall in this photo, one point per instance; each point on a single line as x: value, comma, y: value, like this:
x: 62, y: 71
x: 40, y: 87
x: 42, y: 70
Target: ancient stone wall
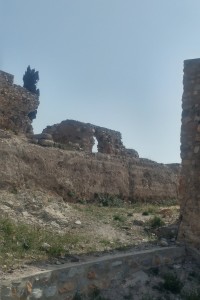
x: 109, y: 141
x: 113, y: 171
x: 74, y: 134
x: 80, y: 136
x: 6, y: 79
x: 190, y: 153
x: 83, y: 175
x: 17, y: 105
x: 65, y: 281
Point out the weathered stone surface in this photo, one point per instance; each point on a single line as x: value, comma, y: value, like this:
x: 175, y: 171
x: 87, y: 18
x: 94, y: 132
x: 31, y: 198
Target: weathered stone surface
x: 74, y: 175
x: 57, y: 283
x: 190, y: 145
x: 16, y: 106
x: 80, y: 136
x: 78, y: 175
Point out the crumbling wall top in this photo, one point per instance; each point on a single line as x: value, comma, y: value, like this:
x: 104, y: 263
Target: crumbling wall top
x: 81, y: 136
x: 17, y: 106
x: 6, y: 79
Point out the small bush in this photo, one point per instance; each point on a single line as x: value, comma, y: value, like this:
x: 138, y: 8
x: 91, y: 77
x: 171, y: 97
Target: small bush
x: 156, y: 222
x: 119, y: 218
x: 172, y: 283
x: 145, y: 213
x: 71, y: 194
x: 82, y: 201
x: 56, y: 250
x: 7, y: 227
x: 109, y: 201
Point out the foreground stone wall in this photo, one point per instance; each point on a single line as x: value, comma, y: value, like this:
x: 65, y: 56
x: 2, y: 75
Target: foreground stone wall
x: 17, y: 106
x: 80, y: 136
x: 190, y: 153
x: 63, y: 282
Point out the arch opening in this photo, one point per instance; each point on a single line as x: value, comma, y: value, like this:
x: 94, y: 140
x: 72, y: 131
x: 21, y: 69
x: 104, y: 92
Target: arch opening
x: 95, y: 146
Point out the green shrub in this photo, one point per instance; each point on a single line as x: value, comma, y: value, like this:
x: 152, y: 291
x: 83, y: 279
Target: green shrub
x: 71, y: 194
x: 7, y: 227
x: 109, y: 201
x: 172, y: 283
x: 56, y: 250
x: 23, y: 241
x: 119, y: 218
x: 145, y: 213
x: 156, y: 222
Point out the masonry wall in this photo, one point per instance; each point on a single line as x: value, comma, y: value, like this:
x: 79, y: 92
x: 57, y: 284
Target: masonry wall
x: 17, y: 106
x: 80, y: 136
x: 63, y: 282
x: 190, y: 153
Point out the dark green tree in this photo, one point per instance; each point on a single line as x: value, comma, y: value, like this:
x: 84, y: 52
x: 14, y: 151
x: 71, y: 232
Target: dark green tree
x: 31, y: 78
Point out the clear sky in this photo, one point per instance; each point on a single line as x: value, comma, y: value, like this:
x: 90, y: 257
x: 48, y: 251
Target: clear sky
x: 113, y: 63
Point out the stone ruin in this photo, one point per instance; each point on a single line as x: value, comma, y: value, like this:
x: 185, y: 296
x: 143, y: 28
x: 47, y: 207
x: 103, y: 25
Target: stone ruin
x: 190, y: 153
x: 114, y: 170
x: 18, y: 106
x: 74, y: 135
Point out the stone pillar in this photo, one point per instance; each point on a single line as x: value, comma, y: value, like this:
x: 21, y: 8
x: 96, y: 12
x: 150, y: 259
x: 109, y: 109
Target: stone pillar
x: 189, y: 231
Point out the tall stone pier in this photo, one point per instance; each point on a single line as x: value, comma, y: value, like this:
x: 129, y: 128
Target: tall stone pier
x: 189, y: 231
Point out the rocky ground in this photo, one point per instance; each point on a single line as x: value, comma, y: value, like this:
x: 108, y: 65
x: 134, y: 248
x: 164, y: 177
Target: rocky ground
x: 176, y: 282
x: 92, y: 230
x: 77, y: 228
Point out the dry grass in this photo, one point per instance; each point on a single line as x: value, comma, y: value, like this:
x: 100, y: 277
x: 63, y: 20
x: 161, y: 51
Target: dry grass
x: 102, y: 228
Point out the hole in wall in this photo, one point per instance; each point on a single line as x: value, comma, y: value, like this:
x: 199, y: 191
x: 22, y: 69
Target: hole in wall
x: 95, y: 146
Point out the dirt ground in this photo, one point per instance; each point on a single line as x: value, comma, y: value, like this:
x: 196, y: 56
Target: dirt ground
x: 100, y: 229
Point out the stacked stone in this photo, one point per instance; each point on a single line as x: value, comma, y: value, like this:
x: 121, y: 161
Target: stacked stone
x: 80, y: 136
x: 5, y: 79
x: 190, y: 153
x: 63, y: 282
x: 43, y: 139
x: 131, y: 153
x: 109, y: 141
x: 74, y: 134
x: 16, y: 106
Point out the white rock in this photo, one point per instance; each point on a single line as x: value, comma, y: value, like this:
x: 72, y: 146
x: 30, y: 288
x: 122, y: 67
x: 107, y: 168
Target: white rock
x: 53, y: 223
x: 37, y: 293
x: 78, y: 222
x: 25, y: 214
x: 45, y: 246
x: 164, y: 243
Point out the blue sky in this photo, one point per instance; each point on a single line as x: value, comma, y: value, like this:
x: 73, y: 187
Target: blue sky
x: 113, y: 63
